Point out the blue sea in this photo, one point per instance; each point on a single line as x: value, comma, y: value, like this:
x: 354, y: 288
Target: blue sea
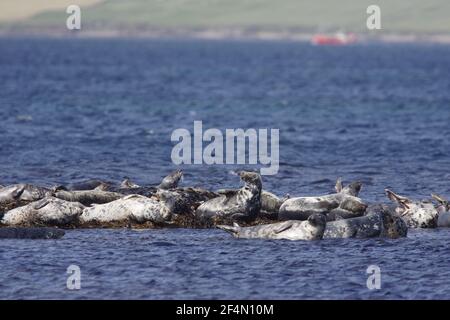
x: 75, y: 109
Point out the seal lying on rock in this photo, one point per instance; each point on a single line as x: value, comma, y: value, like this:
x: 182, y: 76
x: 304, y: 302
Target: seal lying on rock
x: 379, y: 221
x: 443, y: 210
x: 87, y: 197
x: 311, y: 229
x: 31, y: 233
x: 19, y: 194
x: 417, y: 214
x: 242, y: 204
x: 128, y: 188
x: 342, y: 204
x: 85, y: 185
x: 48, y: 212
x: 185, y: 200
x: 133, y: 208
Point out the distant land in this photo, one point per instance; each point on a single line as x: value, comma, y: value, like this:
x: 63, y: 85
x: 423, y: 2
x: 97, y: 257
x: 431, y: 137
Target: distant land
x: 402, y: 20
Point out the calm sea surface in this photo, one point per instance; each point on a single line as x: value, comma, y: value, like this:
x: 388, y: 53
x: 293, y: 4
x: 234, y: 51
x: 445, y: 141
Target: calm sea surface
x: 77, y: 109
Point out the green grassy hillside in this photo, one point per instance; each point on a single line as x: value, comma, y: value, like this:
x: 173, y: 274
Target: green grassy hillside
x: 397, y: 15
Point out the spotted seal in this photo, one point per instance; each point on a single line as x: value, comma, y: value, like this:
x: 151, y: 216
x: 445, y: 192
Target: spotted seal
x: 87, y: 197
x: 15, y: 195
x: 379, y: 221
x: 342, y: 204
x: 311, y: 229
x: 90, y: 184
x: 134, y: 208
x: 49, y: 211
x: 242, y: 204
x: 417, y: 214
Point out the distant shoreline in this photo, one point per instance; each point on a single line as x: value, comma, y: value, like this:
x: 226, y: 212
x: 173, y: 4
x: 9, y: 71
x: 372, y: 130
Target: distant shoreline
x: 214, y: 34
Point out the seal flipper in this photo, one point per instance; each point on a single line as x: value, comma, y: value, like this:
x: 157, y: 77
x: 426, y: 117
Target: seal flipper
x: 234, y: 229
x: 18, y: 192
x: 283, y: 227
x: 41, y: 204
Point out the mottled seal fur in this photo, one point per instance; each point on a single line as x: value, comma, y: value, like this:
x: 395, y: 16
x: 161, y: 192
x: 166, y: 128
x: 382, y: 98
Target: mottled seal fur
x: 311, y: 229
x: 417, y: 214
x: 342, y: 204
x: 130, y: 208
x: 185, y: 200
x: 49, y: 211
x: 242, y: 204
x: 19, y: 194
x: 87, y: 197
x: 31, y: 233
x: 379, y: 221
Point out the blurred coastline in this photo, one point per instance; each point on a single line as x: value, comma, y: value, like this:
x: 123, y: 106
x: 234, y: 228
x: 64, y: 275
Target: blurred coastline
x: 219, y: 33
x: 286, y: 20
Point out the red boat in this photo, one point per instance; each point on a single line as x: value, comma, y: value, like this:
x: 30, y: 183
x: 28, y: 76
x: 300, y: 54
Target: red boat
x: 337, y: 39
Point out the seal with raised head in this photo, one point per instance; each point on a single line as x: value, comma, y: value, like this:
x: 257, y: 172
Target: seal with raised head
x: 127, y: 187
x: 417, y: 214
x: 311, y: 229
x: 342, y: 204
x: 132, y: 208
x: 49, y: 211
x: 443, y: 209
x: 242, y: 204
x: 379, y: 221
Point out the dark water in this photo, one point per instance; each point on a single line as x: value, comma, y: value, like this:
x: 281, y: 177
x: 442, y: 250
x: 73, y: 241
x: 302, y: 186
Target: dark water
x: 76, y: 109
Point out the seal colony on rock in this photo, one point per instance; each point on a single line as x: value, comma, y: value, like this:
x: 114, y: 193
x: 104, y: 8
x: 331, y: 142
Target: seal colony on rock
x: 260, y: 213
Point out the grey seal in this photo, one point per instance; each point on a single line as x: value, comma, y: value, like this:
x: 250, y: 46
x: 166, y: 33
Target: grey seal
x: 242, y: 204
x: 311, y: 229
x: 417, y: 214
x: 185, y: 200
x: 15, y: 195
x: 342, y: 204
x: 443, y: 209
x: 127, y: 187
x: 132, y: 208
x: 90, y: 184
x: 49, y: 211
x: 87, y: 197
x: 379, y: 221
x: 31, y: 233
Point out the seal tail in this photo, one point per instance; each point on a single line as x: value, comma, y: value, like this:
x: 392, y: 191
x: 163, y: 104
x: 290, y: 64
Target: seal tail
x: 234, y: 229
